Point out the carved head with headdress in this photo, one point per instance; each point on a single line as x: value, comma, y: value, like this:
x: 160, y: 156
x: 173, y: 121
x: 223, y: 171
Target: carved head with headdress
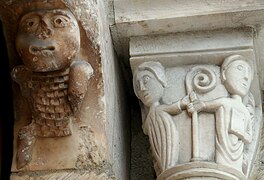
x: 149, y: 82
x: 237, y: 75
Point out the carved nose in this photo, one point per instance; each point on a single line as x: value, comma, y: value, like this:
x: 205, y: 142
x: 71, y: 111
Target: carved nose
x: 142, y: 86
x: 43, y: 30
x: 247, y: 74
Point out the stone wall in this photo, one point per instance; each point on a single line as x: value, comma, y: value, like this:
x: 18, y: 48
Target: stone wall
x: 116, y: 97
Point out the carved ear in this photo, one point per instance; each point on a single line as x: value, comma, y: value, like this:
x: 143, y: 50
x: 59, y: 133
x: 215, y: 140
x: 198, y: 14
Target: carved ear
x: 134, y: 83
x: 223, y: 76
x: 252, y: 75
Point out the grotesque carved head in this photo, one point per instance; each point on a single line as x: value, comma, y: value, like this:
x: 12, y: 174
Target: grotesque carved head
x: 149, y: 82
x: 48, y: 40
x: 237, y: 75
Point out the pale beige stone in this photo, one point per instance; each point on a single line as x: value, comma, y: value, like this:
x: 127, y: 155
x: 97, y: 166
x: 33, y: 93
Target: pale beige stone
x: 198, y: 116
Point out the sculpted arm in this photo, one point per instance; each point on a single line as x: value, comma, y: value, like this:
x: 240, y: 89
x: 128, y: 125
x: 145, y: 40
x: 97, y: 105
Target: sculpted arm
x: 21, y: 75
x: 177, y: 107
x: 212, y: 106
x: 207, y: 106
x: 80, y: 73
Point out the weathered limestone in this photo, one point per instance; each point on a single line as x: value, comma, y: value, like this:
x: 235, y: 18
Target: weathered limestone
x: 115, y: 88
x: 64, y: 120
x: 82, y: 175
x: 51, y: 81
x: 197, y: 107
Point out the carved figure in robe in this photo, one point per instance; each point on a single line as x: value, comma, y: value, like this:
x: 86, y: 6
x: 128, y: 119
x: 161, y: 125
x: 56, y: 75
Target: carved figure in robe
x: 149, y: 84
x: 233, y: 117
x: 53, y: 80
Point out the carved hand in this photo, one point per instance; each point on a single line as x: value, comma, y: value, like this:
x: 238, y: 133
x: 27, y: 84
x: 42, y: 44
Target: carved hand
x: 193, y: 97
x: 185, y: 101
x: 195, y: 106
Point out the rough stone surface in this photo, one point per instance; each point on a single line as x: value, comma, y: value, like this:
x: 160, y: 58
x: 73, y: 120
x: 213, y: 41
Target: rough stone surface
x: 87, y: 13
x: 117, y: 111
x: 77, y: 175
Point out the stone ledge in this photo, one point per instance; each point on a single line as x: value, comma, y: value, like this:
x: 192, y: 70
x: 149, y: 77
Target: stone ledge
x: 141, y: 19
x: 77, y: 175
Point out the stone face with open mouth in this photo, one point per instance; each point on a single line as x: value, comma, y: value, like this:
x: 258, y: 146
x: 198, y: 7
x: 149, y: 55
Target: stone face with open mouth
x: 53, y: 81
x: 48, y: 40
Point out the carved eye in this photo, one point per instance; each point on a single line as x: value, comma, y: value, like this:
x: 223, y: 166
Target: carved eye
x: 30, y: 23
x: 61, y: 21
x: 137, y: 85
x: 146, y: 79
x: 240, y: 67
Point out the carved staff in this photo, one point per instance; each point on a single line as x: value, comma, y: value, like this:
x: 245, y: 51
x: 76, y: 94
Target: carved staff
x: 199, y: 80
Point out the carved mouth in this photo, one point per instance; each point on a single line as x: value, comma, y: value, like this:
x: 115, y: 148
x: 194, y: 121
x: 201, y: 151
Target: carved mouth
x: 145, y: 95
x: 244, y: 84
x: 37, y: 50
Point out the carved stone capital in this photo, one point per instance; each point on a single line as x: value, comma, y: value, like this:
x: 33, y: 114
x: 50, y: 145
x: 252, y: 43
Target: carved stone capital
x: 199, y: 105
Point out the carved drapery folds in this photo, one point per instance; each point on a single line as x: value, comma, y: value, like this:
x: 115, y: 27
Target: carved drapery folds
x: 199, y: 118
